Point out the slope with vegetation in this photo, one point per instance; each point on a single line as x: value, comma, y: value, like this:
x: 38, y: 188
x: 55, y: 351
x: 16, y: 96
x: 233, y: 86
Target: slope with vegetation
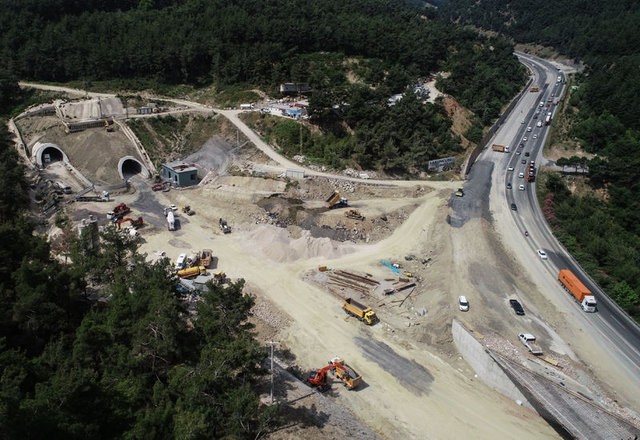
x: 600, y: 227
x: 355, y: 54
x: 133, y: 366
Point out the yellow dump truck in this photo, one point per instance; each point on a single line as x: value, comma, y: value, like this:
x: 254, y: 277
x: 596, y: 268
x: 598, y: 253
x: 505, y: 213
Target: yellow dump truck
x: 362, y: 312
x: 192, y: 272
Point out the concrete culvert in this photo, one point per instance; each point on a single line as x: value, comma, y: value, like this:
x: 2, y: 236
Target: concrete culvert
x: 130, y: 166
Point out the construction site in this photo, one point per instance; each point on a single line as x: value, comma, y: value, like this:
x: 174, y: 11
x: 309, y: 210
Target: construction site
x: 356, y: 281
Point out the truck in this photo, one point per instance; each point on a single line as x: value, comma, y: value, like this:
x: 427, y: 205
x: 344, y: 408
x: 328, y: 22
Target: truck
x: 205, y: 257
x: 547, y: 119
x: 224, y: 226
x: 534, y: 89
x: 335, y: 201
x: 192, y: 272
x: 171, y: 220
x: 579, y: 291
x: 502, y: 148
x: 360, y: 311
x: 529, y: 341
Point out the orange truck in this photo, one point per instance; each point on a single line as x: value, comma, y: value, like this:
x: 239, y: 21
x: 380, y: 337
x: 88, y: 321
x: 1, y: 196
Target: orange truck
x: 502, y: 148
x: 579, y: 291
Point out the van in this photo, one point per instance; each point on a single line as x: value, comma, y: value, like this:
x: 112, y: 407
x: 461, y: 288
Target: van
x: 180, y: 261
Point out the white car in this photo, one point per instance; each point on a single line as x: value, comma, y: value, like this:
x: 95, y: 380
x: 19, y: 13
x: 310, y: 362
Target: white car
x: 510, y: 169
x: 463, y: 304
x: 173, y: 207
x: 524, y: 139
x: 542, y: 254
x: 529, y: 129
x: 521, y: 187
x: 535, y: 136
x: 180, y: 261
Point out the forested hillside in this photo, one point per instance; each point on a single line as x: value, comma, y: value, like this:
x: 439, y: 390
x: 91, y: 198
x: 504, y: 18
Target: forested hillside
x: 354, y: 54
x: 131, y: 367
x: 602, y: 227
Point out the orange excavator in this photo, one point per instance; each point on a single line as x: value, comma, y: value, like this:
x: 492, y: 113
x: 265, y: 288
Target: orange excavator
x: 135, y: 223
x: 348, y: 376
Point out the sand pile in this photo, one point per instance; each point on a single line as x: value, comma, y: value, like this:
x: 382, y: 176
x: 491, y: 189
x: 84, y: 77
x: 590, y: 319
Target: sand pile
x: 276, y: 244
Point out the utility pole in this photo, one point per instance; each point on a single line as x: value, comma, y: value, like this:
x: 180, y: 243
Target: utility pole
x: 272, y: 344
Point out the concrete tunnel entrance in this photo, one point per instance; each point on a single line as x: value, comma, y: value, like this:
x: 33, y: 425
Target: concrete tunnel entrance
x: 47, y: 153
x: 130, y: 166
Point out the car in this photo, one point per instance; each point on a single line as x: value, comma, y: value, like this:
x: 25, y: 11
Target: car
x: 509, y: 186
x: 535, y: 136
x: 524, y: 139
x: 517, y: 307
x: 542, y: 254
x: 510, y: 169
x: 517, y: 152
x: 521, y: 175
x: 529, y: 129
x: 535, y: 116
x: 526, y: 154
x: 524, y: 161
x: 180, y: 261
x: 514, y: 207
x: 521, y: 145
x: 463, y: 304
x: 521, y: 187
x: 522, y: 122
x: 173, y: 207
x: 157, y: 187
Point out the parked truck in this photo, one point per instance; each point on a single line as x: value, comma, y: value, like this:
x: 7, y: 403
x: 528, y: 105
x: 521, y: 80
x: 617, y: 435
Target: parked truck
x: 529, y: 341
x: 171, y: 220
x: 579, y: 291
x: 501, y: 148
x: 362, y: 312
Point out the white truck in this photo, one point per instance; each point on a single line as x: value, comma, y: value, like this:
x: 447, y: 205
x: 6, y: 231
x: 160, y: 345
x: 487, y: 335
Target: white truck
x: 529, y: 341
x: 171, y: 220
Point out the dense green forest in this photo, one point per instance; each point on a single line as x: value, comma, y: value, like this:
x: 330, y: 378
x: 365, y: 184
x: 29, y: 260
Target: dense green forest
x: 601, y: 228
x: 354, y: 54
x: 133, y: 366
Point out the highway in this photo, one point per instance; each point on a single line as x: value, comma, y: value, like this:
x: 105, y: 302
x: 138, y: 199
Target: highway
x: 612, y: 330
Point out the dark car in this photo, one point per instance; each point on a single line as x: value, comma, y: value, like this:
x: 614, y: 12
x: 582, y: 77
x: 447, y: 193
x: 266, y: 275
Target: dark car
x: 514, y: 207
x: 515, y: 305
x: 526, y: 154
x: 509, y: 185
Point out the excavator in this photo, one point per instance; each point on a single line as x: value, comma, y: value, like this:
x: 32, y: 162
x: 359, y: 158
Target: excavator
x: 348, y: 376
x: 135, y: 223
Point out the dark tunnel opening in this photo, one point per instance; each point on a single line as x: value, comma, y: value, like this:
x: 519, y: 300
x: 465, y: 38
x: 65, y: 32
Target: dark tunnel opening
x: 50, y: 155
x: 130, y: 168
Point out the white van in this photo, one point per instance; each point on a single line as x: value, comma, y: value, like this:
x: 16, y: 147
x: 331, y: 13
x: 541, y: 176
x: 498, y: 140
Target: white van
x: 180, y: 261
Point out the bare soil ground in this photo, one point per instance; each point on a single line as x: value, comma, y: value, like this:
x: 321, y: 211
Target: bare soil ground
x: 416, y: 384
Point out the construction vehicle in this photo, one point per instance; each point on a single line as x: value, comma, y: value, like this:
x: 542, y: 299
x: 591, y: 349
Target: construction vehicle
x: 224, y: 227
x: 502, y: 148
x: 360, y: 311
x: 192, y: 272
x: 187, y: 210
x: 193, y: 259
x: 118, y: 212
x: 219, y: 278
x: 460, y: 192
x: 135, y: 223
x: 579, y: 291
x: 171, y: 220
x: 109, y: 125
x: 205, y: 257
x: 348, y: 376
x: 105, y: 197
x: 529, y: 341
x: 335, y: 201
x: 354, y: 214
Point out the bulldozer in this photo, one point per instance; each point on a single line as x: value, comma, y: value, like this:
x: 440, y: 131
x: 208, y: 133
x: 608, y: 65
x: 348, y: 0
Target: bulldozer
x: 354, y: 214
x: 187, y: 210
